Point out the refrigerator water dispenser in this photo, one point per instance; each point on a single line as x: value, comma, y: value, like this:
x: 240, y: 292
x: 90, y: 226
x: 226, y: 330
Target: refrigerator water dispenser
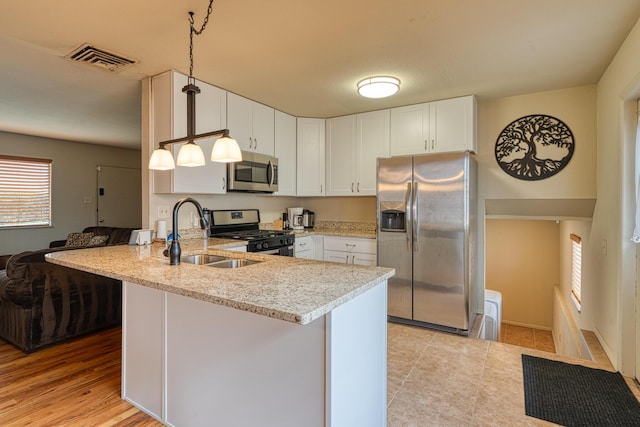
x: 392, y: 217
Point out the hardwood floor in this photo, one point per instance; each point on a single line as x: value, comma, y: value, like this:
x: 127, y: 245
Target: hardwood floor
x: 75, y: 383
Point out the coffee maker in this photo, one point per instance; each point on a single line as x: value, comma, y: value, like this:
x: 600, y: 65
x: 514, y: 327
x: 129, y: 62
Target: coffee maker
x: 294, y: 216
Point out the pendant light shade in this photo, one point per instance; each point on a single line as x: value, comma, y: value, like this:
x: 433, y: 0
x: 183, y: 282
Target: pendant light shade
x: 226, y: 150
x: 161, y: 160
x: 190, y: 155
x: 378, y: 87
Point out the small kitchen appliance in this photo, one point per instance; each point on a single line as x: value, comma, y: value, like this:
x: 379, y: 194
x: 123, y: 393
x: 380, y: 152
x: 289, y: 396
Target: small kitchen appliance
x: 308, y: 219
x: 243, y: 224
x: 295, y: 217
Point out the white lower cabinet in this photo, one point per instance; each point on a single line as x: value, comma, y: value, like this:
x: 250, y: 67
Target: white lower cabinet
x: 188, y: 362
x: 304, y: 247
x: 350, y: 250
x: 143, y: 338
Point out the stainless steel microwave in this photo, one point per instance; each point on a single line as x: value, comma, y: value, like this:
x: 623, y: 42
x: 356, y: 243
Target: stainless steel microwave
x: 256, y: 173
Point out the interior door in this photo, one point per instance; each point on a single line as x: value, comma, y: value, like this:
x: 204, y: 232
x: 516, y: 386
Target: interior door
x: 119, y: 197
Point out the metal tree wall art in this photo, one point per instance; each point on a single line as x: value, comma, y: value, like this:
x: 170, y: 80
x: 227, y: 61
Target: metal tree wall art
x: 534, y: 147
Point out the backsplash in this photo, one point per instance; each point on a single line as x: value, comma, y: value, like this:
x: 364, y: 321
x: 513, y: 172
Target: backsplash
x: 359, y: 226
x: 347, y: 226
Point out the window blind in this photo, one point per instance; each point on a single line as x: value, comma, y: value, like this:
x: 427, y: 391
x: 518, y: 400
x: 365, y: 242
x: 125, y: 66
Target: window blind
x: 576, y: 267
x: 25, y: 191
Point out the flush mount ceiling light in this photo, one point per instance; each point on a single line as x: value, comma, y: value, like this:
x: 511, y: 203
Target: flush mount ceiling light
x: 378, y: 87
x: 225, y: 149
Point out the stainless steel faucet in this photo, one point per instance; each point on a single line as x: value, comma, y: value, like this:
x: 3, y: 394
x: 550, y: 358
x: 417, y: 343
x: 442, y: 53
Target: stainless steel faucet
x: 174, y: 251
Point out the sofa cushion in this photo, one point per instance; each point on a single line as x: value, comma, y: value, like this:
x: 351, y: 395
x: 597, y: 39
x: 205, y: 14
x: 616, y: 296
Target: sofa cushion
x: 78, y: 239
x: 117, y: 235
x: 98, y: 241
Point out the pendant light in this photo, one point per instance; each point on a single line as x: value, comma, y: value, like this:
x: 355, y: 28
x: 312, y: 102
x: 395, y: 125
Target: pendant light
x: 225, y: 149
x: 378, y: 87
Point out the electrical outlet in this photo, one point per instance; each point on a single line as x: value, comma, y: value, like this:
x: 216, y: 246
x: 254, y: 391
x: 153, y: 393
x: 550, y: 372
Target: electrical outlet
x: 163, y: 212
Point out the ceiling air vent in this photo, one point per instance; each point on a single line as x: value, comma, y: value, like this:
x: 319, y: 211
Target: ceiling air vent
x: 100, y: 58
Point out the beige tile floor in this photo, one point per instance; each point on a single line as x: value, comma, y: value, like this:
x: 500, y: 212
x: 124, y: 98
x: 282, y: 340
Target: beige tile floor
x: 439, y: 379
x: 527, y: 337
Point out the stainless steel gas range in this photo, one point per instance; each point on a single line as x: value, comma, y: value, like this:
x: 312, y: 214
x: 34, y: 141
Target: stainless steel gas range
x: 244, y: 224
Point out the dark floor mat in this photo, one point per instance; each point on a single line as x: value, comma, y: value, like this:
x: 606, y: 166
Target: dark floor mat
x: 574, y: 395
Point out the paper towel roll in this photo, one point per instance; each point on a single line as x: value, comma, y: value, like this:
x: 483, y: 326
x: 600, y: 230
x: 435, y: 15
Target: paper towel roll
x: 161, y: 232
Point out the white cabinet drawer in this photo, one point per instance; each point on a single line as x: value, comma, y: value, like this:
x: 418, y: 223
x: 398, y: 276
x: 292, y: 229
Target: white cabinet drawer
x: 303, y: 243
x: 350, y: 244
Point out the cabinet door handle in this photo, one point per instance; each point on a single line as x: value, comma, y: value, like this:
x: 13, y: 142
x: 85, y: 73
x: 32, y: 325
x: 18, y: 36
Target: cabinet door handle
x: 320, y: 188
x: 426, y: 147
x: 358, y: 188
x: 347, y: 260
x: 224, y: 183
x: 250, y: 143
x: 350, y: 245
x: 255, y: 143
x: 352, y: 187
x: 353, y: 259
x: 433, y: 143
x: 303, y: 244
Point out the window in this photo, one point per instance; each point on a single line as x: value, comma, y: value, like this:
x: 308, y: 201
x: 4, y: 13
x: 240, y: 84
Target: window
x: 576, y: 270
x: 25, y: 192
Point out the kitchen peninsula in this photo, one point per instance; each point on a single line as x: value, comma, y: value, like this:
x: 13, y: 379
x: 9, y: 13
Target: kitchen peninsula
x: 284, y: 341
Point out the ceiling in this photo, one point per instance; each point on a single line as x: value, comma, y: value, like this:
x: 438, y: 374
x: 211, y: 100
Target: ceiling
x: 301, y: 57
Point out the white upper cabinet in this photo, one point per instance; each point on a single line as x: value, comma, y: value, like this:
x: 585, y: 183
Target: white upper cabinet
x: 251, y: 124
x: 285, y: 151
x: 372, y: 141
x: 340, y: 156
x: 353, y: 144
x: 310, y: 155
x: 169, y: 116
x: 434, y: 127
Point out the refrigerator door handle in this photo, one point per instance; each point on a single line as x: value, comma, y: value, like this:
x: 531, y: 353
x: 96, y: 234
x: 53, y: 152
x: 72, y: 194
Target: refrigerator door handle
x: 407, y: 217
x: 414, y: 216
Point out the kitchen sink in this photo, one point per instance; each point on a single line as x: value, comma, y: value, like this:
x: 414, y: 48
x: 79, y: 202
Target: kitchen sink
x: 202, y: 259
x: 233, y: 263
x: 217, y: 261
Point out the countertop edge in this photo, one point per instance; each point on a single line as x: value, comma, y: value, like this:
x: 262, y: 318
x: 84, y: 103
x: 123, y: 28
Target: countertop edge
x: 302, y: 317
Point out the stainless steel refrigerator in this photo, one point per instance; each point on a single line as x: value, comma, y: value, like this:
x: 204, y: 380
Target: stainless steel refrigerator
x: 426, y: 207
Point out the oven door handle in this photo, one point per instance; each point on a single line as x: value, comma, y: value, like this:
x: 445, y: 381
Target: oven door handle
x: 277, y: 251
x: 269, y: 252
x: 270, y: 173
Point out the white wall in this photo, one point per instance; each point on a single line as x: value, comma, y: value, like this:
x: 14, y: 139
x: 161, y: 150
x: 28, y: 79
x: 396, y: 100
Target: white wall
x: 614, y: 317
x: 73, y: 177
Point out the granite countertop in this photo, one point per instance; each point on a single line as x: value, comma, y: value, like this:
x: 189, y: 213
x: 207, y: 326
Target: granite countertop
x: 290, y: 289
